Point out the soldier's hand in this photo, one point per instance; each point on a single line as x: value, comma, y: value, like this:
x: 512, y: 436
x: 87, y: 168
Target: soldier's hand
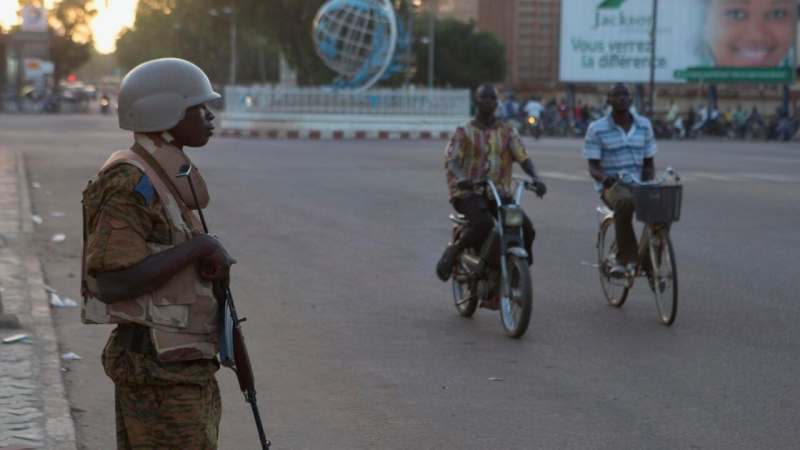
x: 216, y: 265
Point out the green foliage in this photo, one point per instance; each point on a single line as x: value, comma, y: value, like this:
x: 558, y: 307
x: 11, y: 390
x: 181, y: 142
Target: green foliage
x: 463, y: 56
x: 199, y: 31
x: 70, y: 35
x: 288, y: 23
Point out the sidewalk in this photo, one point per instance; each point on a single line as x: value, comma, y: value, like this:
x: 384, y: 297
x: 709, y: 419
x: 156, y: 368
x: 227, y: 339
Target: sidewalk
x: 34, y: 413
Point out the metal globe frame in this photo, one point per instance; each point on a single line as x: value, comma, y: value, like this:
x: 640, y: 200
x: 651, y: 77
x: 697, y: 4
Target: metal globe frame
x: 386, y: 7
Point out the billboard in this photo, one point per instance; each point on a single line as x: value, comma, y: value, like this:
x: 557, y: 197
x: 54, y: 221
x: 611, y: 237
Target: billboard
x: 711, y: 40
x: 34, y: 19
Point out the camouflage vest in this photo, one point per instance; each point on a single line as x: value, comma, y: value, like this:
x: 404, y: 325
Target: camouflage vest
x: 182, y: 314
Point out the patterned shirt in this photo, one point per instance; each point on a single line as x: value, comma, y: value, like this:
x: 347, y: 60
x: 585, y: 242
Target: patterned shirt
x: 618, y: 151
x: 484, y: 153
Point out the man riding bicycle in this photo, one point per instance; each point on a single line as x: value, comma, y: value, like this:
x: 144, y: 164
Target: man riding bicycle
x: 483, y: 148
x: 621, y: 144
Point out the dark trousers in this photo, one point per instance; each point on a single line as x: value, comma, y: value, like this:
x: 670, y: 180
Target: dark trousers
x: 480, y: 213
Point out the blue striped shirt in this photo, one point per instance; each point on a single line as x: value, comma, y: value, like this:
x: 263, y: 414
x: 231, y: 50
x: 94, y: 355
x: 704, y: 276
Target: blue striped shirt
x: 618, y: 151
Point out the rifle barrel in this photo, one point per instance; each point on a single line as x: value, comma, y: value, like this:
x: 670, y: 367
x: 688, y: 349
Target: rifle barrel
x: 251, y: 398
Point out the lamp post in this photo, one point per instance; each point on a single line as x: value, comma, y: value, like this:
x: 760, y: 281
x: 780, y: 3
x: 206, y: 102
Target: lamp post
x: 228, y: 11
x: 653, y: 33
x: 431, y: 43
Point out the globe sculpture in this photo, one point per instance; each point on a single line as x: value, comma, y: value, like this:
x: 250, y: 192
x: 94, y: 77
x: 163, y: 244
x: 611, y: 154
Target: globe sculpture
x: 358, y: 39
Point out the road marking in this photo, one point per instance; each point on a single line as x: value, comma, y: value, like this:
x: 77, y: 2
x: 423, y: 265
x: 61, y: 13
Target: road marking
x: 566, y: 176
x: 771, y: 177
x: 713, y: 176
x: 742, y: 177
x: 691, y: 176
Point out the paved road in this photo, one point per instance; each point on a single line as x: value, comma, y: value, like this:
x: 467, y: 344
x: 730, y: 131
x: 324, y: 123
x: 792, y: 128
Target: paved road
x: 356, y: 344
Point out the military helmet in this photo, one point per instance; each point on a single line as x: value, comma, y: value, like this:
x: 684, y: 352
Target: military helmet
x: 154, y: 95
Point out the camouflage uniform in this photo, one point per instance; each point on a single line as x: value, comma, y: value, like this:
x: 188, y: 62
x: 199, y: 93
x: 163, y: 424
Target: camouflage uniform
x: 158, y: 405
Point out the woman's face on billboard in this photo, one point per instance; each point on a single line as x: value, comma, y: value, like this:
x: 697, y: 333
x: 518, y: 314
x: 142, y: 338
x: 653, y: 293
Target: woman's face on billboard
x: 751, y: 33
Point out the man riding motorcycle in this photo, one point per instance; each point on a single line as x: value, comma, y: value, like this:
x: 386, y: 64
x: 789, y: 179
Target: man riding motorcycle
x: 483, y: 148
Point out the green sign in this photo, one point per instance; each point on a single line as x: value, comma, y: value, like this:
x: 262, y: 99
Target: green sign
x: 737, y: 74
x: 611, y: 4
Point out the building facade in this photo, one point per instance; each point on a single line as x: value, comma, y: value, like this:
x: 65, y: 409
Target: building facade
x: 530, y: 31
x: 463, y: 10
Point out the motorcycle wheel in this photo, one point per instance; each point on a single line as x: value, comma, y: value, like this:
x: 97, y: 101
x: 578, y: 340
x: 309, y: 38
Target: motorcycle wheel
x: 465, y: 297
x: 515, y: 311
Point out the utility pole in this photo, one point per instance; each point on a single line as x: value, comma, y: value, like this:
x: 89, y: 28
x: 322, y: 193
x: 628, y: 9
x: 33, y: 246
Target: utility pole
x: 232, y: 14
x: 653, y: 33
x: 431, y: 42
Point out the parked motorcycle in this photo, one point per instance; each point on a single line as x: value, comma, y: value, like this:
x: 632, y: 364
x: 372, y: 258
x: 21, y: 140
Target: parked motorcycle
x: 497, y: 276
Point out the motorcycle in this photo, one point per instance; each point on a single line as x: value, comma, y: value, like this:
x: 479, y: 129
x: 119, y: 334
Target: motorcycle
x: 532, y: 127
x: 105, y: 105
x: 498, y: 275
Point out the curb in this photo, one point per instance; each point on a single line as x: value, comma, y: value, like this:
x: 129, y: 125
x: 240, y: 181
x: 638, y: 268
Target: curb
x: 59, y: 426
x: 334, y: 134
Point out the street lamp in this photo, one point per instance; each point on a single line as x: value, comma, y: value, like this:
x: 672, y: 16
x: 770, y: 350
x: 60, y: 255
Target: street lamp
x: 431, y: 43
x: 228, y: 11
x: 653, y: 34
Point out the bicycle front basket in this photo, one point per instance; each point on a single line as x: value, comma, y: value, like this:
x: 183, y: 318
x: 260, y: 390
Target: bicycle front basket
x: 658, y: 204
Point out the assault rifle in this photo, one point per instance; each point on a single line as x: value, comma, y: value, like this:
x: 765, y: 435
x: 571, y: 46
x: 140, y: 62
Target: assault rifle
x: 233, y: 351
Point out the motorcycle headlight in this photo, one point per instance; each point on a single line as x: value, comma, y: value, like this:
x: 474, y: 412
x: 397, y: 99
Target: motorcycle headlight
x: 512, y: 217
x: 532, y: 120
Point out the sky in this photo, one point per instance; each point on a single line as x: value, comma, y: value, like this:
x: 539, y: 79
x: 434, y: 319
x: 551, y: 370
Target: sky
x: 112, y: 16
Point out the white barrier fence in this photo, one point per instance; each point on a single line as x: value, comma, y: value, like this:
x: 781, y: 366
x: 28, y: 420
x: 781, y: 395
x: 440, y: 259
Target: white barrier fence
x: 282, y: 111
x: 405, y: 102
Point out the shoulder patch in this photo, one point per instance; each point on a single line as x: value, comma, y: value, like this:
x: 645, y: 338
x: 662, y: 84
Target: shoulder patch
x: 145, y: 189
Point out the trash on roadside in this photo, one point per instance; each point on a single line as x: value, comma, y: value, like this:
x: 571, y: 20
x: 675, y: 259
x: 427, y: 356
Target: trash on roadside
x: 56, y: 301
x: 71, y: 357
x: 48, y: 288
x: 37, y: 219
x: 36, y: 185
x: 16, y: 338
x: 59, y: 237
x: 495, y: 379
x: 57, y: 214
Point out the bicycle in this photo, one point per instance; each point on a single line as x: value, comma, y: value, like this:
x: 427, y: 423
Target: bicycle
x: 657, y: 205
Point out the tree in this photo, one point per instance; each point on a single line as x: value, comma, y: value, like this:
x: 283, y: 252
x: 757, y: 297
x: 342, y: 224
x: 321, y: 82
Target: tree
x: 463, y: 56
x: 70, y: 35
x: 198, y: 31
x: 288, y: 23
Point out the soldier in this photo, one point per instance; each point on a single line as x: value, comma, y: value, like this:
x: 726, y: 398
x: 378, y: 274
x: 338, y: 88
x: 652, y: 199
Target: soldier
x: 148, y: 267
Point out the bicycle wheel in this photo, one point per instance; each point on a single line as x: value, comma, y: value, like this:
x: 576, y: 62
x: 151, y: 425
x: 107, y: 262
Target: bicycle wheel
x: 515, y: 311
x: 664, y: 282
x: 614, y: 289
x: 464, y: 296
